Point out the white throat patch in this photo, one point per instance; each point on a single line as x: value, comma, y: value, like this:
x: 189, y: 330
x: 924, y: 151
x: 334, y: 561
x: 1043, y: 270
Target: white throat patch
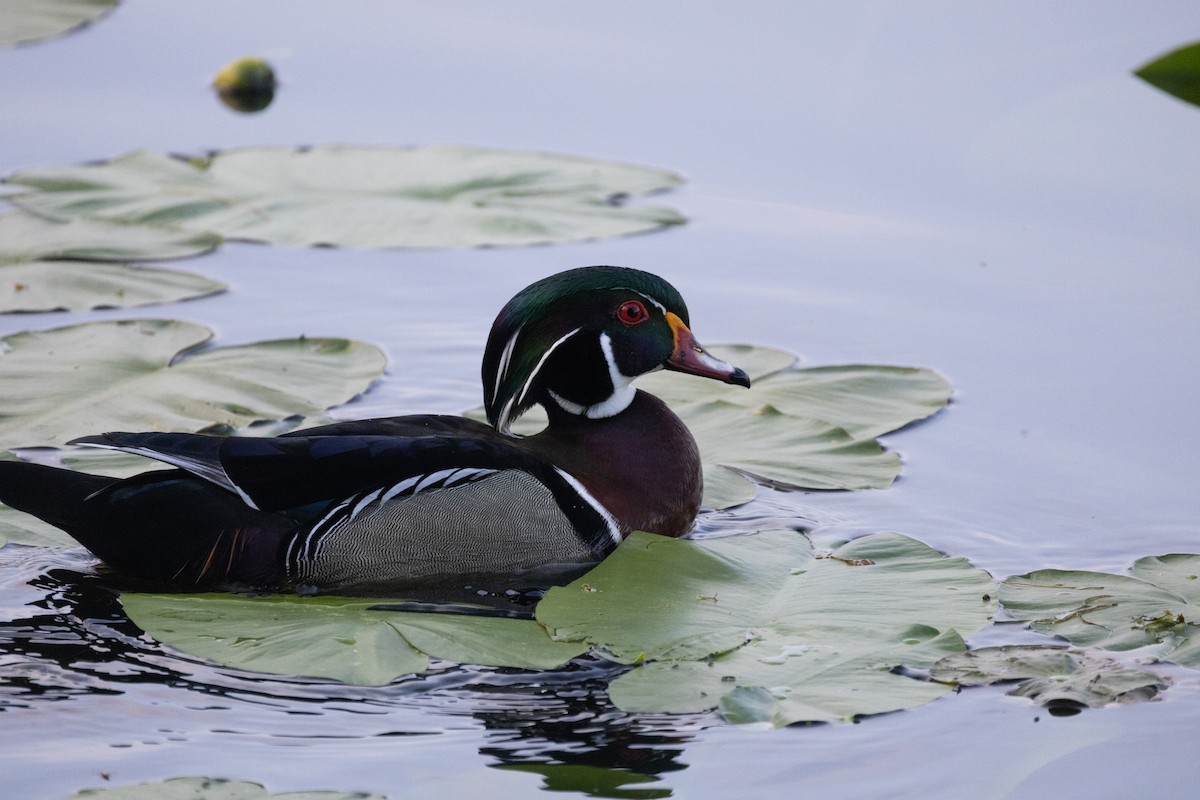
x: 615, y: 403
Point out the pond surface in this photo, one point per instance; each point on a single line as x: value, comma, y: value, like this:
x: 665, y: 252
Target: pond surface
x: 985, y: 191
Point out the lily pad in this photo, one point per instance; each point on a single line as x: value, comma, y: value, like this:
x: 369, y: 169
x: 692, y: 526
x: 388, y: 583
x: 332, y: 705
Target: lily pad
x: 1177, y: 73
x: 769, y: 631
x: 62, y: 383
x: 350, y: 640
x: 27, y: 21
x: 1050, y: 675
x: 209, y: 789
x: 437, y: 196
x: 79, y: 286
x: 47, y: 265
x: 811, y: 428
x: 24, y: 237
x: 1158, y: 605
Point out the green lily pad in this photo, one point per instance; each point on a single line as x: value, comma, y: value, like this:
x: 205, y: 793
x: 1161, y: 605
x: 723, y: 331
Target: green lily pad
x: 27, y: 21
x: 62, y: 383
x: 1050, y: 674
x: 1176, y: 73
x: 1158, y: 605
x: 800, y: 636
x: 209, y: 789
x: 79, y: 286
x: 811, y: 428
x: 437, y: 196
x: 350, y: 640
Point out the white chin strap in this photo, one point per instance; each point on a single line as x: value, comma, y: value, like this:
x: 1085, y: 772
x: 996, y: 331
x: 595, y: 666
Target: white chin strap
x: 615, y: 403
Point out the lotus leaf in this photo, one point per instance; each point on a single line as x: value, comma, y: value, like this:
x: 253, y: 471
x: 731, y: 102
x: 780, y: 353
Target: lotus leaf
x: 801, y: 636
x: 1158, y: 605
x: 1050, y: 674
x: 208, y: 789
x: 135, y: 375
x: 26, y: 21
x: 437, y: 196
x: 1176, y: 73
x: 350, y: 640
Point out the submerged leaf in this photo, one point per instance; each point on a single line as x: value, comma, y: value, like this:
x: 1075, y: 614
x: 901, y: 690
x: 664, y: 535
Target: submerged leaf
x: 1050, y: 674
x: 26, y: 21
x: 347, y: 639
x: 1176, y: 73
x: 1159, y: 605
x: 66, y: 382
x: 819, y: 633
x: 436, y: 196
x: 208, y: 789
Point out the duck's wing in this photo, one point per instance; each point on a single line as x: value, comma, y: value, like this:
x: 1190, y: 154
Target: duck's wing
x: 331, y: 462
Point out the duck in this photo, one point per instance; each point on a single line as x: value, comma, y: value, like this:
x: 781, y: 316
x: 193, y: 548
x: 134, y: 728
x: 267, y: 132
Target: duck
x: 418, y: 499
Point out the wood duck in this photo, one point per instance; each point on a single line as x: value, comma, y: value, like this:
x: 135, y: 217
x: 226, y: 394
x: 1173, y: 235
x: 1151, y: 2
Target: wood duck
x: 408, y: 500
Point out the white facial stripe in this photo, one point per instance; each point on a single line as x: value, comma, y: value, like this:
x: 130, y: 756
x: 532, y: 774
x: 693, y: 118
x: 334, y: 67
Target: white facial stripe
x: 505, y: 357
x: 614, y: 530
x: 503, y: 423
x: 657, y: 304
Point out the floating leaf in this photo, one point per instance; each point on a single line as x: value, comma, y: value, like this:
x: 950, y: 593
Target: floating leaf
x: 46, y: 265
x: 1050, y: 675
x: 79, y: 286
x: 350, y: 640
x: 804, y: 637
x: 1177, y: 73
x: 436, y: 196
x: 810, y: 428
x: 1158, y: 605
x: 24, y: 237
x: 208, y: 789
x: 66, y: 382
x: 26, y: 21
x: 865, y: 401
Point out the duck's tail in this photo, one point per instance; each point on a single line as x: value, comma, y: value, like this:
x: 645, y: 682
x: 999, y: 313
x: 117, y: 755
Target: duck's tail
x: 166, y: 527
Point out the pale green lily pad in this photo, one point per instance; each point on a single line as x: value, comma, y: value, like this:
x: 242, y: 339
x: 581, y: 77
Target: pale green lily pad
x: 1050, y: 674
x: 802, y: 636
x: 27, y: 21
x: 79, y: 286
x: 62, y: 383
x: 24, y: 237
x: 209, y: 789
x: 811, y: 428
x: 437, y: 196
x: 1176, y: 73
x: 1158, y: 605
x: 346, y: 639
x: 48, y: 266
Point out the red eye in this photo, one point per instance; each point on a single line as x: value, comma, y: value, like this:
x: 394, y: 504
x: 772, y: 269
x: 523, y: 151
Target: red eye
x: 632, y: 312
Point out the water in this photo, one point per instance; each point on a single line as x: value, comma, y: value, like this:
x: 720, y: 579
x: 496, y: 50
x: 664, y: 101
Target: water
x: 985, y: 191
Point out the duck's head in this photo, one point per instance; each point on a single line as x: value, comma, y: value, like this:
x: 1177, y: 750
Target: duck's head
x: 576, y: 340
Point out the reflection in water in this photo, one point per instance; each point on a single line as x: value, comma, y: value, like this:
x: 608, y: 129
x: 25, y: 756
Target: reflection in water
x: 72, y: 640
